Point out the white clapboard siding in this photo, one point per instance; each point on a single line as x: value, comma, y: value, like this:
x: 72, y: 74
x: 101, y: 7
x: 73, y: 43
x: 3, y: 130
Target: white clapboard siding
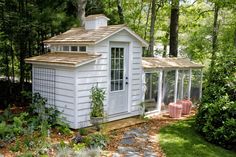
x: 63, y: 90
x: 90, y: 75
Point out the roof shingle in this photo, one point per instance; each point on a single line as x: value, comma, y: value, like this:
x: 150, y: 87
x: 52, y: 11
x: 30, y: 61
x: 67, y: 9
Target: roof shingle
x: 80, y: 35
x: 168, y: 63
x: 63, y: 59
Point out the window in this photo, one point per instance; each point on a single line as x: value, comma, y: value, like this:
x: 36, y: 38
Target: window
x: 74, y: 48
x: 65, y: 48
x: 82, y: 48
x: 117, y: 69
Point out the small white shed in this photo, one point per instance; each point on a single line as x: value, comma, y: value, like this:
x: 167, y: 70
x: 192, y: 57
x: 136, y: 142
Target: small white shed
x: 80, y: 58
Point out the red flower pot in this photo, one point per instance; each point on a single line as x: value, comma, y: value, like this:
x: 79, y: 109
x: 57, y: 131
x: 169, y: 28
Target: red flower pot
x: 186, y: 106
x: 175, y: 110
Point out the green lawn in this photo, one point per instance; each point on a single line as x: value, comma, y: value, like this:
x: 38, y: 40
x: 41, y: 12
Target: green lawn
x: 181, y: 140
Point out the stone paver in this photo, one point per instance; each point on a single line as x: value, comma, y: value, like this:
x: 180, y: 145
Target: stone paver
x: 133, y: 144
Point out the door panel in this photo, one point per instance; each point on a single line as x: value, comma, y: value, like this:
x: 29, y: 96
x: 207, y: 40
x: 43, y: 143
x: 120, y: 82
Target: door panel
x: 118, y: 78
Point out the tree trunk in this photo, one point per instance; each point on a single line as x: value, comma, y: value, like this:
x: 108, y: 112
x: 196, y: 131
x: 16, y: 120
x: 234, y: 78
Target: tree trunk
x: 165, y: 44
x: 152, y: 26
x: 235, y: 37
x: 81, y: 4
x: 140, y: 15
x: 12, y: 63
x: 214, y: 36
x: 147, y: 19
x: 174, y: 22
x: 120, y: 12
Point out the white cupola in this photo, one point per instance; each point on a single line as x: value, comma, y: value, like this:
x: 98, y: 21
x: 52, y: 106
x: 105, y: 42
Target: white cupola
x: 95, y: 21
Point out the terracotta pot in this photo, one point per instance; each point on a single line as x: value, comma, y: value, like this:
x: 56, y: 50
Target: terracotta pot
x: 175, y: 110
x: 187, y: 106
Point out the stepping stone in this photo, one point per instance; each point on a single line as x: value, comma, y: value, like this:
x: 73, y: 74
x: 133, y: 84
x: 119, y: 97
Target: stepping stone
x: 123, y: 150
x: 149, y: 154
x: 127, y: 141
x: 115, y: 155
x: 132, y: 154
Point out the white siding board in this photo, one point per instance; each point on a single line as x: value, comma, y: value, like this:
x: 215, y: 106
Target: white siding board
x: 64, y: 105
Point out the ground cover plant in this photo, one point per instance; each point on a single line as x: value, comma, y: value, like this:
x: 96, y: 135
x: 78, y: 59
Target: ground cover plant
x: 181, y: 139
x: 40, y: 130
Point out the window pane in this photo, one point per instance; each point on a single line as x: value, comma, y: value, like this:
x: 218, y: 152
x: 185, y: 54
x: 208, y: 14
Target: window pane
x: 112, y: 52
x: 112, y: 86
x: 116, y: 85
x: 82, y: 48
x: 74, y: 48
x: 121, y: 64
x: 117, y: 65
x: 65, y: 48
x: 121, y: 74
x: 121, y: 85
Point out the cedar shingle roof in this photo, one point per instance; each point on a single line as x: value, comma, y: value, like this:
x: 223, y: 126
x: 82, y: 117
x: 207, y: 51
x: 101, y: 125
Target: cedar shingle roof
x: 63, y: 59
x: 168, y: 63
x: 80, y: 35
x: 93, y: 36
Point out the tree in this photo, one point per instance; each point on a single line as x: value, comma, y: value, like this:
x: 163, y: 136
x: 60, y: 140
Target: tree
x: 80, y: 6
x: 156, y: 5
x: 174, y: 23
x: 120, y: 11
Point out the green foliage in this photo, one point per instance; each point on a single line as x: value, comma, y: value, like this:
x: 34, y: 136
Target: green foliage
x: 19, y: 123
x: 83, y: 131
x: 79, y: 146
x: 217, y: 122
x: 97, y: 97
x: 216, y: 117
x: 96, y: 140
x: 221, y: 79
x: 15, y: 147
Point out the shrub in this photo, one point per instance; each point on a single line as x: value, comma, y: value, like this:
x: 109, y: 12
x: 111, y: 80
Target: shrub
x: 217, y: 122
x: 97, y: 140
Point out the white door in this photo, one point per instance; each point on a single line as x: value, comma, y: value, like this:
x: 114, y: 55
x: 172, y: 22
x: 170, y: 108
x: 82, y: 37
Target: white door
x: 118, y: 101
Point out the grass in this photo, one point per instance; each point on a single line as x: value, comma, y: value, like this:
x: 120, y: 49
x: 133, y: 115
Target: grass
x: 180, y: 139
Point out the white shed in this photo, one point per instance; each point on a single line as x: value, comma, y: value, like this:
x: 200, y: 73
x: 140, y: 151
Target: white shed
x: 80, y: 58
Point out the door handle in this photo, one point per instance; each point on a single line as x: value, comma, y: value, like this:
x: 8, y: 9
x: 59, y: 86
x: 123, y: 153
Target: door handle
x: 126, y: 82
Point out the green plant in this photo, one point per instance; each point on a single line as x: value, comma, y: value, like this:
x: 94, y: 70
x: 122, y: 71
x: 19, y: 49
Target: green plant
x: 63, y: 128
x: 19, y: 122
x: 96, y: 140
x: 83, y: 131
x: 6, y: 115
x: 217, y: 122
x: 97, y: 97
x: 79, y: 146
x: 89, y: 152
x: 15, y: 147
x: 63, y: 150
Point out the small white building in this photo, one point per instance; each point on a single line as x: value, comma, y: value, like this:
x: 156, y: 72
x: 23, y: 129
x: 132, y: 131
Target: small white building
x: 110, y: 57
x: 97, y: 54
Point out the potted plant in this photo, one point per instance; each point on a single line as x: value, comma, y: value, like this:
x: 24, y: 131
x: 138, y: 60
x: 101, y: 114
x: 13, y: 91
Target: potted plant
x: 97, y: 107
